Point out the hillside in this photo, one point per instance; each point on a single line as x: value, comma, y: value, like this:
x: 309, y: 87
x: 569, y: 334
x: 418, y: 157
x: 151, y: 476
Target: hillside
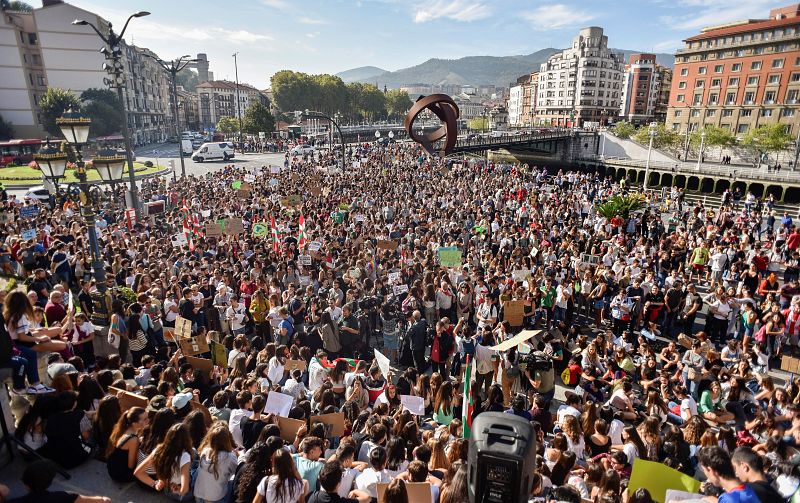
x: 475, y: 70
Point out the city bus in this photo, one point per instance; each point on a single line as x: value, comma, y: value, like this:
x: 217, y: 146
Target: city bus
x: 19, y: 152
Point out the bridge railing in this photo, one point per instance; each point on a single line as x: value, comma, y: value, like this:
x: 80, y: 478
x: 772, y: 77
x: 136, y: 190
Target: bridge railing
x: 505, y: 139
x: 690, y: 168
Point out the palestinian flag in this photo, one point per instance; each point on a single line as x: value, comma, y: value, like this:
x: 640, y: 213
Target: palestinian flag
x: 302, y: 240
x: 468, y: 406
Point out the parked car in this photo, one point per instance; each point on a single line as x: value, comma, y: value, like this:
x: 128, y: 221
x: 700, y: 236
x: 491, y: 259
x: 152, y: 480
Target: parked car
x: 209, y: 151
x: 302, y: 150
x: 187, y: 147
x: 38, y: 193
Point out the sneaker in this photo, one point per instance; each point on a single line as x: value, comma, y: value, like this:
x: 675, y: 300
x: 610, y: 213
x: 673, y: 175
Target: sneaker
x: 42, y: 389
x: 20, y: 392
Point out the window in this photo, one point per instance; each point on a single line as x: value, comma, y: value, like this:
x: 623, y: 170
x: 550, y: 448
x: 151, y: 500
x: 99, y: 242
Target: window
x: 701, y: 70
x: 777, y: 63
x: 758, y: 50
x: 698, y: 98
x: 788, y: 112
x: 684, y: 72
x: 676, y: 126
x: 733, y: 81
x: 695, y: 113
x: 774, y: 79
x: 40, y: 80
x: 678, y: 113
x: 711, y: 113
x: 730, y: 99
x: 736, y: 67
x: 719, y: 68
x: 32, y: 38
x: 727, y: 113
x: 679, y: 99
x: 713, y: 98
x: 795, y: 77
x: 752, y: 80
x: 699, y: 83
x: 682, y: 84
x: 769, y: 97
x: 766, y: 112
x: 746, y: 113
x: 716, y: 82
x: 755, y: 65
x: 742, y: 128
x: 749, y: 97
x: 791, y: 96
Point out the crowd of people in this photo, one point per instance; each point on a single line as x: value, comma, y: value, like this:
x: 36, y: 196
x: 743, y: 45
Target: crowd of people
x: 662, y: 328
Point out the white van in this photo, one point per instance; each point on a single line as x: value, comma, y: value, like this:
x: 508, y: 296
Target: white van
x: 186, y: 147
x: 219, y: 150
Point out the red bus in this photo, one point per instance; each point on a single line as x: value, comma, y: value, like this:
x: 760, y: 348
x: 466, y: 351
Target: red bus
x: 19, y: 152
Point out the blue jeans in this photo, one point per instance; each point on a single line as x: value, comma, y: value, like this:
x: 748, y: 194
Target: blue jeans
x: 23, y: 369
x: 32, y: 370
x: 177, y: 497
x: 674, y: 418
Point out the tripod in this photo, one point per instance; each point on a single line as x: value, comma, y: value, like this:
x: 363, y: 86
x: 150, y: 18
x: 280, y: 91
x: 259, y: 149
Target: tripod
x: 10, y: 440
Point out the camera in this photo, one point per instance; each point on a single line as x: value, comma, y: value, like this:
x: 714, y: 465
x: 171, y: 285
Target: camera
x: 536, y: 361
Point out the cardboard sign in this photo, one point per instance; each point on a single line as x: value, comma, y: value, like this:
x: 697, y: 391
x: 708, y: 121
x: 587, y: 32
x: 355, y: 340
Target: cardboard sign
x: 213, y: 230
x: 203, y: 364
x: 399, y: 289
x: 260, y: 230
x: 417, y: 491
x: 278, y: 403
x: 273, y: 182
x: 193, y: 346
x: 128, y: 400
x: 249, y: 178
x: 384, y: 244
x: 31, y: 211
x: 274, y: 170
x: 289, y: 427
x: 295, y: 364
x: 520, y: 274
x: 658, y: 478
x: 394, y: 278
x: 202, y: 408
x: 590, y: 259
x: 414, y: 404
x: 315, y: 191
x: 29, y: 234
x: 314, y: 246
x: 292, y: 201
x: 305, y: 280
x: 790, y: 364
x: 179, y: 240
x: 514, y: 312
x: 334, y: 423
x: 183, y: 328
x: 233, y: 226
x: 304, y: 259
x: 450, y: 256
x: 219, y: 355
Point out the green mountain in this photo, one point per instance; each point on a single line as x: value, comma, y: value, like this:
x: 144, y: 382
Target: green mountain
x: 475, y: 70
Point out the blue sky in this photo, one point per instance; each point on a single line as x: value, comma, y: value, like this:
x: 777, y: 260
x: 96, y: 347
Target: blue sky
x: 328, y: 36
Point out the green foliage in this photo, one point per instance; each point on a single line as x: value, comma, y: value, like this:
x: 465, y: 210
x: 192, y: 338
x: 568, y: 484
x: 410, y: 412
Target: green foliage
x: 15, y: 6
x: 148, y: 164
x: 6, y: 129
x: 767, y: 138
x: 398, y: 102
x: 105, y: 110
x: 715, y: 137
x: 228, y: 125
x: 478, y: 124
x: 257, y: 118
x: 53, y: 104
x: 623, y: 129
x: 188, y: 79
x: 292, y: 90
x: 664, y: 137
x: 621, y: 205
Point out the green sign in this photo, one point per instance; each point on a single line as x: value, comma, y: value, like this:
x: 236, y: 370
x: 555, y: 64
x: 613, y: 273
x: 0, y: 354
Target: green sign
x: 450, y: 256
x: 338, y: 217
x: 236, y: 185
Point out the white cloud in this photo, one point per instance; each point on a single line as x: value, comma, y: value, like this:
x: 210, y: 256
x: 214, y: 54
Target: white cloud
x: 551, y: 17
x: 457, y: 10
x: 311, y: 20
x: 705, y: 13
x: 277, y: 4
x: 242, y: 36
x: 667, y: 45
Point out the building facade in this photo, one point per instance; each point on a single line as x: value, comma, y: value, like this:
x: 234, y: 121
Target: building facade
x: 580, y: 84
x: 529, y: 99
x: 515, y: 97
x: 217, y: 99
x: 739, y: 76
x: 147, y: 97
x: 642, y: 90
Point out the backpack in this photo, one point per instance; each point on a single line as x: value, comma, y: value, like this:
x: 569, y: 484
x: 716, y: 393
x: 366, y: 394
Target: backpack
x: 468, y: 347
x: 445, y: 344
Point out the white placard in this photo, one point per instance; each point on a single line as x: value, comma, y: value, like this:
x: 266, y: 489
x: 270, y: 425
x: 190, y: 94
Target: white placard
x: 394, y: 278
x: 275, y: 170
x: 383, y: 363
x: 356, y: 164
x: 400, y: 289
x: 414, y: 404
x: 520, y: 274
x: 314, y: 246
x: 273, y: 182
x: 305, y: 280
x: 179, y: 240
x: 249, y: 178
x: 304, y: 259
x: 278, y: 403
x: 359, y: 218
x: 206, y: 213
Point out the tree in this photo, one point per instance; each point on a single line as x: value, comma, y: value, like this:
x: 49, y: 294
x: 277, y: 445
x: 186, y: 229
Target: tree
x: 188, y: 79
x: 763, y: 140
x: 258, y: 118
x: 228, y: 125
x: 5, y: 5
x: 664, y: 138
x: 6, y: 129
x: 53, y: 103
x: 715, y: 137
x: 623, y: 129
x: 370, y: 101
x: 329, y: 94
x: 398, y: 102
x: 621, y: 206
x: 105, y: 110
x: 478, y: 124
x: 292, y: 90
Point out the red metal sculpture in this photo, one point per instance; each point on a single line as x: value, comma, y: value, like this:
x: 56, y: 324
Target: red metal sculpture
x: 447, y: 111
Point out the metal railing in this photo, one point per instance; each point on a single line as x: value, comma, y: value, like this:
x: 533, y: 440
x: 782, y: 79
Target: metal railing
x: 690, y: 168
x: 490, y: 140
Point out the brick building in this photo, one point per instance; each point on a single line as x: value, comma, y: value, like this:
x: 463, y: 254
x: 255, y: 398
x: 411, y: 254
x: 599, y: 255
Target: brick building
x: 645, y: 90
x: 739, y: 75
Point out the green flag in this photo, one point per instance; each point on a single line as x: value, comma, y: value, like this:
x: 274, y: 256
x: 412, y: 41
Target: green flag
x: 467, y: 408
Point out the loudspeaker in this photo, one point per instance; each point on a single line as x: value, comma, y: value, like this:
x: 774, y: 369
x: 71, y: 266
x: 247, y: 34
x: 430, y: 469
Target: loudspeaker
x: 502, y: 458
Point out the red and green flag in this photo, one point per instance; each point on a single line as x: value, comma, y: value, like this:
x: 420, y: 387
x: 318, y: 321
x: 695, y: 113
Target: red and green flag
x: 469, y: 404
x: 351, y: 362
x: 302, y: 239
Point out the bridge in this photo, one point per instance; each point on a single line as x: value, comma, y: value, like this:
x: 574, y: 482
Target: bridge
x: 545, y: 142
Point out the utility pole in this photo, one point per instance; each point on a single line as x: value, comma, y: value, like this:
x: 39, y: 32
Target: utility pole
x: 238, y: 102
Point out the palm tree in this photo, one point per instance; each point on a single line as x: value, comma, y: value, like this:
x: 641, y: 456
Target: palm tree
x: 621, y: 206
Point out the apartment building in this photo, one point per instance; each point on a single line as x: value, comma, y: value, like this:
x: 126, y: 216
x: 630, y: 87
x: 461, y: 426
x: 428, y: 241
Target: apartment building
x: 521, y: 100
x: 580, y: 84
x: 515, y: 97
x: 217, y: 99
x: 529, y: 99
x: 643, y: 87
x: 739, y: 75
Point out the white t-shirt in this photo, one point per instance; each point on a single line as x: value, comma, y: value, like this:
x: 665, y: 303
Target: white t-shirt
x: 23, y: 326
x: 292, y: 489
x: 348, y: 479
x: 567, y: 410
x: 186, y: 458
x: 689, y: 404
x: 171, y: 315
x: 237, y: 315
x: 615, y: 431
x: 631, y: 451
x: 235, y: 424
x: 369, y: 480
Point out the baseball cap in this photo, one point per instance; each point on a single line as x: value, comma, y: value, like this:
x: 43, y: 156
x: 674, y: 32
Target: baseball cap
x: 181, y: 400
x: 157, y: 403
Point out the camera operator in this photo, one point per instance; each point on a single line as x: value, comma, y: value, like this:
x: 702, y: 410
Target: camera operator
x: 542, y: 376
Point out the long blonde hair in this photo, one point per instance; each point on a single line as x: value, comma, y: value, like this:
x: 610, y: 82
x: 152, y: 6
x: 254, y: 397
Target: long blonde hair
x: 572, y: 428
x: 438, y: 455
x: 218, y: 439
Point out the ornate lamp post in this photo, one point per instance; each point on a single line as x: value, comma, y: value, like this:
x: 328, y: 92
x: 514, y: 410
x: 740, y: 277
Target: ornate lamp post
x: 651, y: 131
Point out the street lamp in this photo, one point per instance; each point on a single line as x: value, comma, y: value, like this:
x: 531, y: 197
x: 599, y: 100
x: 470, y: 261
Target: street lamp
x: 110, y: 165
x: 238, y: 101
x: 53, y: 163
x: 651, y: 131
x: 377, y: 135
x: 391, y: 135
x: 702, y: 144
x: 173, y: 68
x: 313, y: 113
x: 113, y: 52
